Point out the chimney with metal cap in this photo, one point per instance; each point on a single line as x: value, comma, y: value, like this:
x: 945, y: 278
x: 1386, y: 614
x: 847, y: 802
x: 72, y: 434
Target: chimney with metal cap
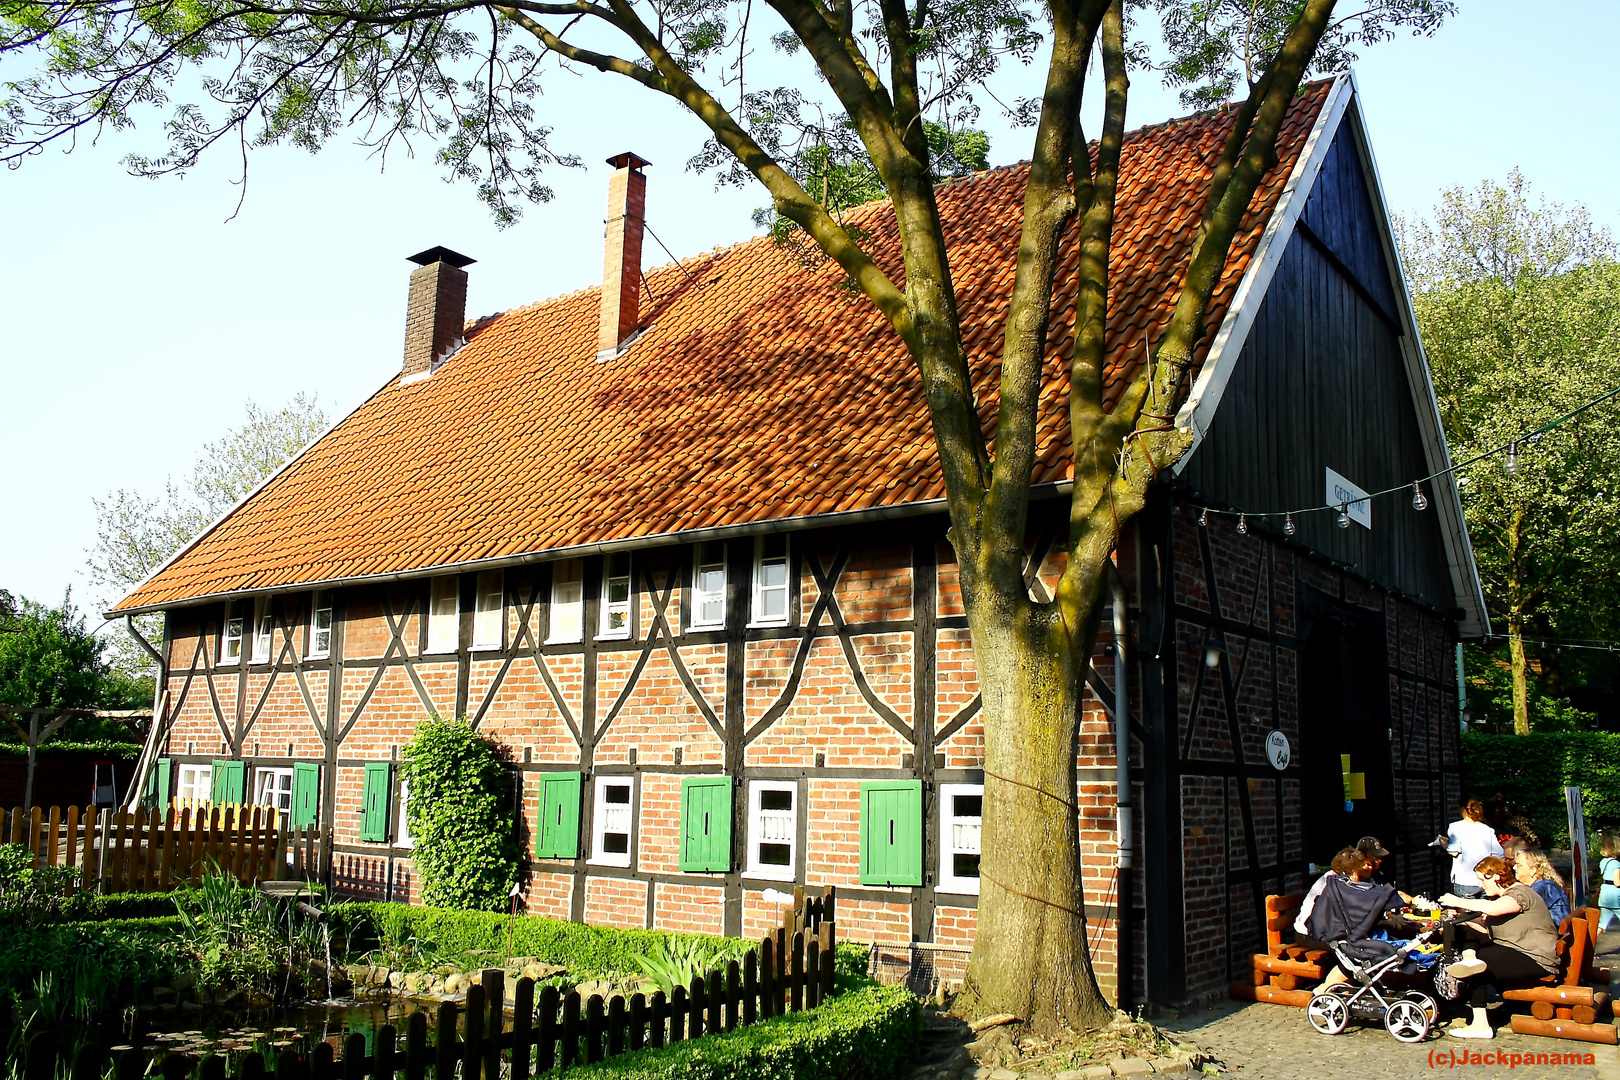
x: 621, y: 259
x: 437, y: 310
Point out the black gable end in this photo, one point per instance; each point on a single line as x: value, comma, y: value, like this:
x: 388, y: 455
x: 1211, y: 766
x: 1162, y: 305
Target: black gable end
x: 1321, y: 383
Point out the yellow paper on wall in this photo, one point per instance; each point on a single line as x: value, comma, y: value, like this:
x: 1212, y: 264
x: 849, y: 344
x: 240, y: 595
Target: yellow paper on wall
x: 1356, y: 785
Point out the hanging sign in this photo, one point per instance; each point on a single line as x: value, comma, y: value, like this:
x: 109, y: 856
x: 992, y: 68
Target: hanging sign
x: 1341, y: 492
x: 1278, y: 751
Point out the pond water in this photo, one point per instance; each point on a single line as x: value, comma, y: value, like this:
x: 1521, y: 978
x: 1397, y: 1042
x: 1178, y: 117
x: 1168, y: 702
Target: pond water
x: 271, y: 1030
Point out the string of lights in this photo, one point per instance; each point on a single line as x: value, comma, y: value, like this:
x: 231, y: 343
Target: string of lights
x: 1420, y: 500
x: 1585, y: 643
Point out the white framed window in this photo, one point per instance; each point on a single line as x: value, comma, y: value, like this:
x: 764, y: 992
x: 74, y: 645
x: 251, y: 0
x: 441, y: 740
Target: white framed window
x: 230, y: 642
x: 610, y: 824
x: 489, y: 617
x: 402, y: 831
x: 262, y: 631
x: 194, y: 782
x: 773, y: 829
x: 567, y: 621
x: 273, y: 787
x: 444, y: 615
x: 615, y: 596
x: 770, y: 604
x: 320, y: 625
x: 709, y: 586
x: 961, y: 817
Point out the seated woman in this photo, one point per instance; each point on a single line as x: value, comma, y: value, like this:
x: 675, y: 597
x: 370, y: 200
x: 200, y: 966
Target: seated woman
x: 1346, y: 909
x: 1531, y: 867
x: 1523, y: 941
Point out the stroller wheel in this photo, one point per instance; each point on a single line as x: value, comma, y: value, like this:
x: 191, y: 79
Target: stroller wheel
x: 1406, y: 1020
x: 1423, y: 1001
x: 1328, y: 1013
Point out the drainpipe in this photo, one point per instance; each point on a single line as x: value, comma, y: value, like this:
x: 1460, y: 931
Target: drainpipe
x: 1122, y: 797
x: 1462, y: 693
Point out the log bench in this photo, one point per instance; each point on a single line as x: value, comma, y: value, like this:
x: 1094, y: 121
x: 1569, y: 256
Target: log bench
x: 1567, y: 1005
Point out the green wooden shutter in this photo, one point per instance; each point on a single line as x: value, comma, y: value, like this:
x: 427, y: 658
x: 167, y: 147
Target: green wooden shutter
x: 306, y: 794
x: 558, y: 834
x: 891, y: 832
x: 229, y: 781
x: 156, y: 791
x: 706, y: 823
x: 216, y: 783
x: 374, y: 803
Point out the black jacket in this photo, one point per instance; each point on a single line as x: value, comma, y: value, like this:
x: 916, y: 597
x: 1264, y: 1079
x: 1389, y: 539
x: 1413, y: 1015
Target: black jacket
x: 1348, y: 910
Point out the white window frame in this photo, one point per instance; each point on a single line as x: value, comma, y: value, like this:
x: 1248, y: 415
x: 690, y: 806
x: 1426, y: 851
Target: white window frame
x: 320, y: 602
x: 444, y: 627
x: 264, y: 630
x: 958, y: 836
x: 620, y: 815
x: 706, y: 559
x: 489, y: 611
x: 756, y: 604
x: 281, y: 786
x: 765, y: 826
x: 566, y: 620
x: 402, y: 831
x: 605, y: 631
x: 230, y: 638
x: 194, y: 782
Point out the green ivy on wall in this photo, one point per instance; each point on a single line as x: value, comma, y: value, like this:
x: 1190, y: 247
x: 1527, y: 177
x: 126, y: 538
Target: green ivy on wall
x: 460, y: 816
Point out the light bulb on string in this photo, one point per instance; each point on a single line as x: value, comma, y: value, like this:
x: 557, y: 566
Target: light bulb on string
x: 1343, y: 520
x: 1289, y: 528
x: 1420, y: 501
x: 1243, y: 524
x: 1511, y: 465
x: 1203, y: 519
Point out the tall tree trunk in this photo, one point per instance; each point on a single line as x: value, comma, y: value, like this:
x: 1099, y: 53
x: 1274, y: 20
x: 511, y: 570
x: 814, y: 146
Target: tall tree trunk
x: 1521, y: 680
x: 1030, y: 954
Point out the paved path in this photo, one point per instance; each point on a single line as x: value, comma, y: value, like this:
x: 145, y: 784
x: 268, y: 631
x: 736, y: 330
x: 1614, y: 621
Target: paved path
x: 1274, y: 1042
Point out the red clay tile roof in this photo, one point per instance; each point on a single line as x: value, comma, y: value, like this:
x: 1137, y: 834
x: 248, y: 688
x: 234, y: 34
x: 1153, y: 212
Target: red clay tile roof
x: 760, y: 390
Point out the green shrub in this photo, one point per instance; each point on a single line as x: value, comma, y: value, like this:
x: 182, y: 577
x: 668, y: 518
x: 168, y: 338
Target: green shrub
x: 120, y: 960
x: 1532, y: 771
x: 869, y: 1031
x: 28, y: 896
x: 460, y: 816
x: 438, y: 933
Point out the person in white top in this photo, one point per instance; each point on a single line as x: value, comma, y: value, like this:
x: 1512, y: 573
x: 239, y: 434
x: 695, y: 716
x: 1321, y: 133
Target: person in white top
x: 1468, y: 841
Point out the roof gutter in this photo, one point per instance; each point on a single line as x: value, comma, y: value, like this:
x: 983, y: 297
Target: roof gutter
x: 921, y: 508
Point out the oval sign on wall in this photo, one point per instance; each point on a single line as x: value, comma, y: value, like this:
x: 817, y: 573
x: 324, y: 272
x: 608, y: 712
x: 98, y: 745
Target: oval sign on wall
x: 1278, y: 752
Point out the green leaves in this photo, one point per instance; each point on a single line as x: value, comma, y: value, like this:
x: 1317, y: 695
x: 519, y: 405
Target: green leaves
x: 460, y: 816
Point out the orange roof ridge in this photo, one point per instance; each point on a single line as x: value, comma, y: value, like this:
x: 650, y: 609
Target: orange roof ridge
x: 764, y: 395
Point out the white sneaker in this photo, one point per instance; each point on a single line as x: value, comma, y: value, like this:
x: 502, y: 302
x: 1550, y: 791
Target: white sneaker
x: 1462, y: 969
x: 1471, y: 1031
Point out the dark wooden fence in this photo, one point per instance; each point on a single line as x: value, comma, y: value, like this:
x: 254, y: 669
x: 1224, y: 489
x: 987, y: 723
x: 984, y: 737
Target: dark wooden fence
x: 156, y: 850
x: 791, y: 970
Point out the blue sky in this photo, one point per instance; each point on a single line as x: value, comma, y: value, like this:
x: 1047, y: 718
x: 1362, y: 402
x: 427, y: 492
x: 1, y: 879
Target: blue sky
x: 139, y: 320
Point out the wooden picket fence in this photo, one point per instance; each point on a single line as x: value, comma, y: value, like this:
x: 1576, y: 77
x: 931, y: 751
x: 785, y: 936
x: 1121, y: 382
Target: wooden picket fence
x: 791, y: 970
x: 159, y: 849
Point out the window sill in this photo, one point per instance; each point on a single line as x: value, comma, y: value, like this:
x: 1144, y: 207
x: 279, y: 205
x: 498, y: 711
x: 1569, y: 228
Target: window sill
x: 319, y: 656
x: 958, y: 888
x: 486, y: 646
x: 773, y: 624
x: 704, y: 626
x: 563, y: 640
x: 785, y: 874
x: 613, y: 637
x: 622, y: 864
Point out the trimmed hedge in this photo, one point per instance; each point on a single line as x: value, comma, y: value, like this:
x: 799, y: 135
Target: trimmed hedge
x: 870, y: 1031
x: 124, y: 961
x: 1532, y: 771
x: 586, y: 951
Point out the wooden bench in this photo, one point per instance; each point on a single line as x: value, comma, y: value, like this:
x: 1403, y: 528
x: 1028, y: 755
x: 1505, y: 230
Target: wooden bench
x: 1567, y: 1005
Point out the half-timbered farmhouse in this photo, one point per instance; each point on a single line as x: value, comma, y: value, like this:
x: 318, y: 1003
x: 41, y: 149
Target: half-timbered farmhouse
x: 677, y: 544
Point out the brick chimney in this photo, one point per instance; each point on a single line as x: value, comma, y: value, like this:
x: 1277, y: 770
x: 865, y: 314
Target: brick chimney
x: 437, y: 310
x: 621, y: 258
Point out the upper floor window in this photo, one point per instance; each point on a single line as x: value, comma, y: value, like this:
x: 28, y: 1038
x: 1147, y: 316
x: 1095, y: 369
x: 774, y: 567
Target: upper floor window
x: 262, y: 628
x: 567, y: 601
x: 489, y: 619
x: 615, y: 596
x: 444, y: 615
x: 320, y: 625
x: 709, y: 586
x: 230, y: 643
x: 770, y: 606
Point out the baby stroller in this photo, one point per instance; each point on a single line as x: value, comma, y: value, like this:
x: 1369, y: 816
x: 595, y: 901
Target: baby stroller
x: 1349, y: 915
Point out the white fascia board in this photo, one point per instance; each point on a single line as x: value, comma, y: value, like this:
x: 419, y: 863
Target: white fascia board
x: 1198, y: 412
x: 1444, y: 497
x: 211, y: 526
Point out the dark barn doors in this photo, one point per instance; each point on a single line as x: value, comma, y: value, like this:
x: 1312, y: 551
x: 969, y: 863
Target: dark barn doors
x: 1344, y: 712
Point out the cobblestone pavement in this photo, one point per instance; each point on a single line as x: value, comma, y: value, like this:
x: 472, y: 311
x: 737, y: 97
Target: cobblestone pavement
x: 1274, y: 1042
